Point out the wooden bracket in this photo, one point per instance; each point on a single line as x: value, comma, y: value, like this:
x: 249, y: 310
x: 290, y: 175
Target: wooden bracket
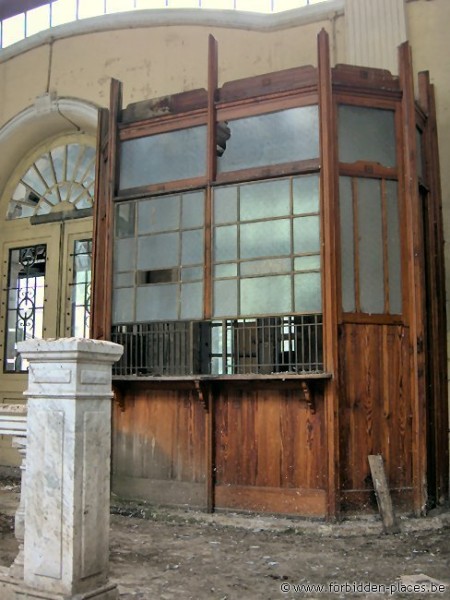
x: 309, y: 398
x: 202, y: 394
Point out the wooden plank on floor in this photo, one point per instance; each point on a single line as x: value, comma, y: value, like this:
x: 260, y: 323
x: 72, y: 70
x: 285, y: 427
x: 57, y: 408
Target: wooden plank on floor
x: 382, y: 493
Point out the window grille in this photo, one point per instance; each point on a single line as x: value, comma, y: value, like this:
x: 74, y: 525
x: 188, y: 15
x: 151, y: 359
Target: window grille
x: 269, y: 345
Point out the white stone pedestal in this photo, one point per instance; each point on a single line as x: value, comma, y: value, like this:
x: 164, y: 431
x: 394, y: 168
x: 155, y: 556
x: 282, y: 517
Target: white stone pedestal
x: 66, y: 546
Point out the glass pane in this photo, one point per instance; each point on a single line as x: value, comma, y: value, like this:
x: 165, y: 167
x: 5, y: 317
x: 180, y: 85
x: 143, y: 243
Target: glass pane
x: 268, y: 238
x: 225, y: 243
x: 38, y: 19
x: 308, y: 293
x: 168, y: 157
x: 192, y: 247
x: 394, y: 249
x: 306, y: 194
x: 225, y: 298
x: 266, y: 295
x: 193, y: 210
x: 125, y: 219
x: 191, y: 300
x: 370, y: 244
x: 307, y: 263
x: 191, y: 273
x: 157, y: 302
x: 159, y: 214
x: 347, y: 245
x: 124, y: 254
x: 123, y: 305
x: 266, y: 266
x: 227, y: 270
x: 274, y: 138
x: 63, y: 11
x: 366, y: 134
x: 124, y: 279
x: 264, y: 200
x: 90, y: 8
x: 13, y: 30
x: 81, y: 290
x: 225, y: 205
x: 306, y: 235
x: 25, y: 308
x: 158, y: 251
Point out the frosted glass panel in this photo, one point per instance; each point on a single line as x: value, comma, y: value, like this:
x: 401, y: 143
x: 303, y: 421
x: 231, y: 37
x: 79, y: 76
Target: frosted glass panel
x: 159, y: 214
x: 264, y: 200
x: 192, y: 300
x: 308, y: 296
x: 266, y: 266
x: 158, y: 251
x: 274, y: 138
x: 124, y: 254
x: 193, y: 210
x: 370, y: 246
x: 225, y: 205
x: 225, y: 243
x: 306, y: 263
x: 123, y: 305
x: 306, y: 235
x: 225, y: 298
x: 191, y: 273
x: 124, y: 279
x: 156, y: 302
x: 192, y: 247
x: 268, y: 238
x: 125, y: 219
x: 227, y: 270
x: 366, y: 134
x: 394, y: 252
x: 266, y: 295
x: 306, y: 194
x: 163, y: 157
x: 347, y: 247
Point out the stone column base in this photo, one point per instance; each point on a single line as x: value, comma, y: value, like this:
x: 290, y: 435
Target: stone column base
x: 107, y: 592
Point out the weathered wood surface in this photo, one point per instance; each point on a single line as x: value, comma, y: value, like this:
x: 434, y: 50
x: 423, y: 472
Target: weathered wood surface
x: 382, y: 493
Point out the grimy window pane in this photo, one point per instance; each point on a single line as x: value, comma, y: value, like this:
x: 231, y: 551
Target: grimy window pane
x: 347, y: 245
x: 225, y: 243
x: 306, y: 235
x: 225, y: 298
x: 157, y: 302
x: 192, y: 247
x: 308, y: 294
x: 225, y: 205
x: 123, y: 305
x: 307, y: 263
x: 125, y: 219
x: 193, y: 214
x: 191, y: 300
x: 266, y: 266
x: 226, y: 270
x: 370, y: 246
x: 394, y: 251
x: 159, y: 214
x: 163, y: 157
x: 274, y: 138
x: 366, y: 134
x: 266, y: 238
x: 264, y: 199
x: 306, y: 194
x: 124, y: 254
x: 266, y: 295
x: 158, y: 251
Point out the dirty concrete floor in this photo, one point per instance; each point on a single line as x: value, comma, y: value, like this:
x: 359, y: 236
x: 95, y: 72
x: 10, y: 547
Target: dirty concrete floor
x: 183, y: 555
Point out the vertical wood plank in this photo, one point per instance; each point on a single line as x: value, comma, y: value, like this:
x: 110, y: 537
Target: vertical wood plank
x: 415, y: 276
x: 331, y: 299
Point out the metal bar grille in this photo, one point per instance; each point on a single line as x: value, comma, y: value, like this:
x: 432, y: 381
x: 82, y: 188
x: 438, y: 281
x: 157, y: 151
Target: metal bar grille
x: 288, y: 344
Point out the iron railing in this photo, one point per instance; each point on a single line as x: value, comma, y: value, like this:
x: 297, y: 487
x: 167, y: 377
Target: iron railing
x: 268, y: 345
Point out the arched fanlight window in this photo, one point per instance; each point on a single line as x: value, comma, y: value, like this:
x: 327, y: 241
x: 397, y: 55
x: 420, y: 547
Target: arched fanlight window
x: 61, y: 179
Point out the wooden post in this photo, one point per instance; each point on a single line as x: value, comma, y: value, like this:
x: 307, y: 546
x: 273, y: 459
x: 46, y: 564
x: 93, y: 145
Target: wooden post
x: 382, y: 493
x: 329, y: 277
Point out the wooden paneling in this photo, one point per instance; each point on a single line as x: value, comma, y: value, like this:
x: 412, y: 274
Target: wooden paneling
x: 376, y: 412
x: 268, y: 439
x: 158, y: 436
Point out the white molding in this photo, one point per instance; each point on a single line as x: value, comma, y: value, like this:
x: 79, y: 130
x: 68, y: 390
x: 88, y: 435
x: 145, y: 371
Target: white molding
x: 139, y: 19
